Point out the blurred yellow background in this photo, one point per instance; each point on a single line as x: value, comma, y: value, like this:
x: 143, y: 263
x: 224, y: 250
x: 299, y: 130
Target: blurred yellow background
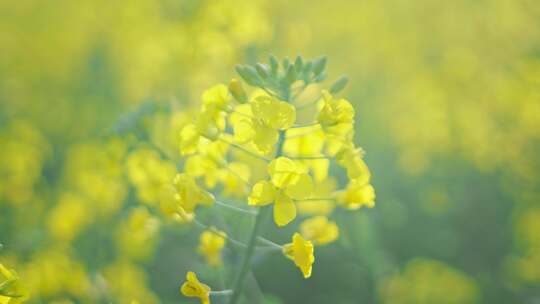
x: 447, y: 96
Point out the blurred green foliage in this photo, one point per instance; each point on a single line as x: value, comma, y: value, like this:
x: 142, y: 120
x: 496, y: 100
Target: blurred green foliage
x: 447, y: 95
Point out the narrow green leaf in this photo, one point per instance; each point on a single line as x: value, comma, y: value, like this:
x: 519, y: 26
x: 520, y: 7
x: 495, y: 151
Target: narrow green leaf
x: 339, y: 84
x: 319, y: 65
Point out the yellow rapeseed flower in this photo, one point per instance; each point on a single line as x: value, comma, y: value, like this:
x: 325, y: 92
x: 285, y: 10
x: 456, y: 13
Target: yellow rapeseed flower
x: 195, y: 289
x: 336, y: 115
x: 301, y: 252
x: 261, y: 123
x: 217, y: 97
x: 351, y: 159
x: 189, y: 195
x: 357, y: 194
x: 289, y: 182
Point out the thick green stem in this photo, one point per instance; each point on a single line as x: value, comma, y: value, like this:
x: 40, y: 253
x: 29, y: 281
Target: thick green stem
x: 259, y: 221
x: 244, y: 268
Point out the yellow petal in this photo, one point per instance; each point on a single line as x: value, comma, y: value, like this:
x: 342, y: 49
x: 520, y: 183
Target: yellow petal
x: 264, y: 136
x: 263, y: 193
x: 319, y: 230
x: 301, y: 188
x: 217, y: 96
x: 286, y: 116
x: 284, y: 210
x: 279, y: 115
x: 243, y: 131
x: 189, y: 139
x: 303, y: 254
x: 283, y: 171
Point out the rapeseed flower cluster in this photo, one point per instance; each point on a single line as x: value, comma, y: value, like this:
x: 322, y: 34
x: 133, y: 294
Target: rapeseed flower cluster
x: 300, y: 142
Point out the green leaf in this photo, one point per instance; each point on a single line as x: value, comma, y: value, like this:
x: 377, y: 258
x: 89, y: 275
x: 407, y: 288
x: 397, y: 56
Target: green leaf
x: 321, y: 77
x: 274, y: 64
x: 319, y: 65
x: 262, y: 70
x: 298, y: 64
x: 285, y: 63
x: 290, y: 76
x: 248, y: 73
x: 339, y: 84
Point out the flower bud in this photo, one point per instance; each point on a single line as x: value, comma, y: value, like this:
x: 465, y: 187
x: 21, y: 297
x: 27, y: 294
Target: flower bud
x: 237, y: 91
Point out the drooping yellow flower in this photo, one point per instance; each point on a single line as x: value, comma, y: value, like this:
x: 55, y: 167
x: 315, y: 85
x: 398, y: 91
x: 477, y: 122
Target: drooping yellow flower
x: 289, y: 182
x: 189, y: 195
x: 357, y: 194
x: 170, y: 207
x: 351, y: 159
x: 336, y: 115
x: 195, y: 289
x: 319, y: 230
x: 301, y: 252
x: 211, y: 242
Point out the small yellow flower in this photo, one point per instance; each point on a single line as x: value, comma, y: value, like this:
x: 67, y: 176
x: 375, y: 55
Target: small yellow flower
x: 195, y: 289
x: 301, y: 252
x: 170, y: 207
x: 319, y: 230
x: 217, y: 96
x: 261, y: 122
x: 189, y: 139
x: 279, y: 115
x: 289, y: 182
x: 149, y: 173
x: 189, y: 195
x: 357, y: 194
x: 207, y: 127
x: 350, y: 158
x: 210, y: 245
x: 207, y: 162
x: 336, y: 115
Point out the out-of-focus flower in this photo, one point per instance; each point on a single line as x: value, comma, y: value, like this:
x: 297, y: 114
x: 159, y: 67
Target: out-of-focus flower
x: 357, y: 194
x: 429, y: 281
x: 319, y: 230
x: 189, y: 195
x: 195, y: 289
x: 211, y: 243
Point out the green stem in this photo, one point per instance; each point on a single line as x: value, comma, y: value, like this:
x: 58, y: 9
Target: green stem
x: 244, y: 268
x: 259, y: 220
